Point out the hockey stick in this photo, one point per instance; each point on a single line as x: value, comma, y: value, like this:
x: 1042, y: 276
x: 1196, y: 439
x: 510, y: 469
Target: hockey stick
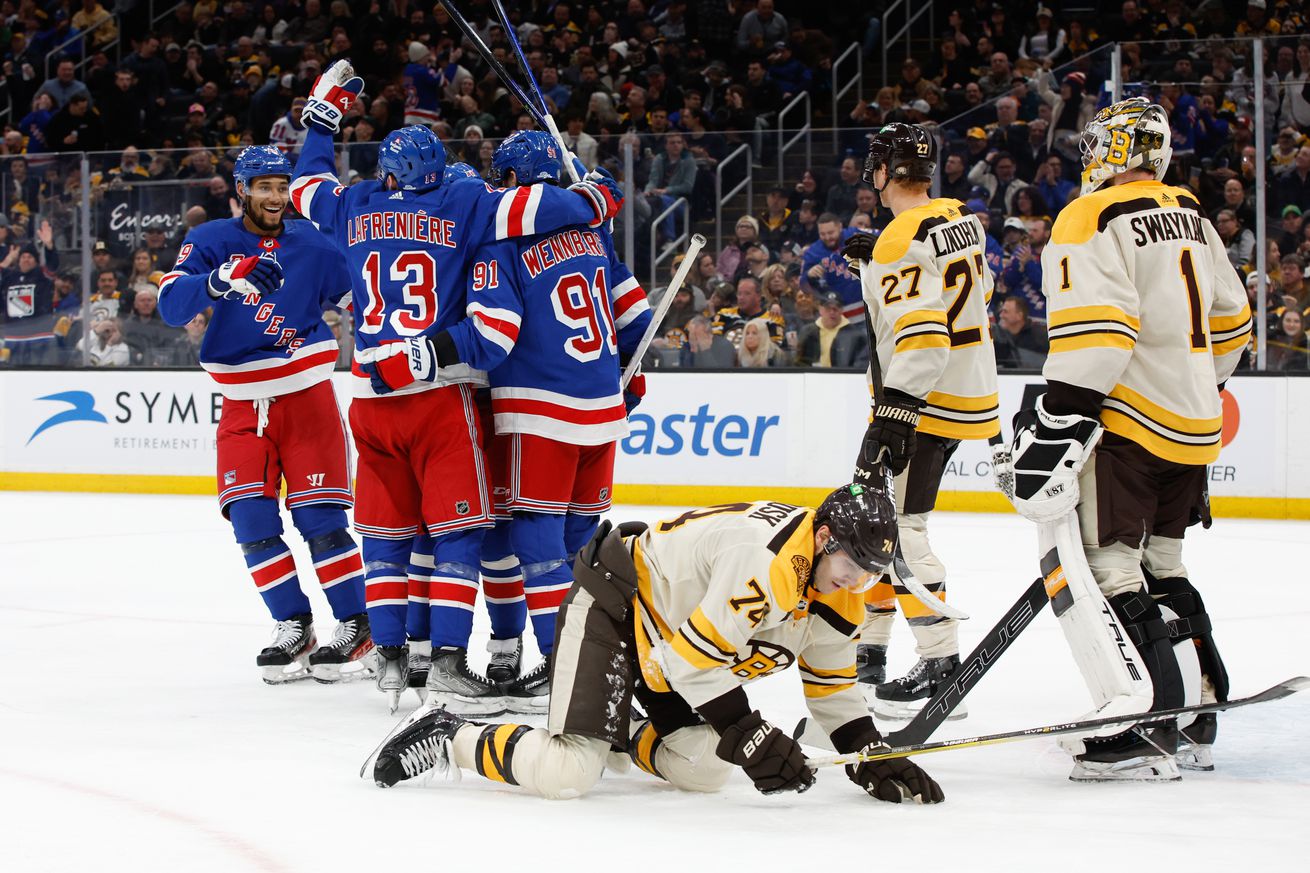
x: 535, y: 89
x: 1283, y: 689
x: 693, y: 252
x: 900, y: 570
x: 962, y: 681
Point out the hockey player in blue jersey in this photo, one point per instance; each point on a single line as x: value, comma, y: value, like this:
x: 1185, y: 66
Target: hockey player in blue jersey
x: 551, y: 317
x: 409, y: 239
x: 268, y: 282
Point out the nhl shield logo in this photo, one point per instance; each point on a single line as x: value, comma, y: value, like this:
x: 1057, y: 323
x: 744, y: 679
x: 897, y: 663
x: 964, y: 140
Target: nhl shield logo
x: 604, y: 493
x: 461, y: 507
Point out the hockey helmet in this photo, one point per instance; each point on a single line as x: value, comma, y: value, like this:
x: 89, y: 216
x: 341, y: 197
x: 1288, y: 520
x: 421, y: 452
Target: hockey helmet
x: 531, y: 154
x: 908, y: 151
x: 862, y: 522
x: 459, y: 170
x: 414, y: 156
x: 259, y: 160
x: 1129, y: 135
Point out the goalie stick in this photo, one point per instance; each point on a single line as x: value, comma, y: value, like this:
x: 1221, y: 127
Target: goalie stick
x: 1283, y: 689
x: 960, y: 683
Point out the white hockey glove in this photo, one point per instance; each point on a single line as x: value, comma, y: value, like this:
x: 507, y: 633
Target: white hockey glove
x: 1003, y: 470
x: 334, y: 92
x: 257, y: 274
x: 397, y: 365
x: 1049, y: 451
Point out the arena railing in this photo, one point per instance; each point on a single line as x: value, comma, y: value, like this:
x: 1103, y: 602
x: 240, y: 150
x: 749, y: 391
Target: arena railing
x: 741, y: 154
x: 784, y: 146
x: 856, y: 82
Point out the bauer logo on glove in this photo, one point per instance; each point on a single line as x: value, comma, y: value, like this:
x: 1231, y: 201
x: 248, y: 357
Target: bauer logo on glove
x: 241, y: 276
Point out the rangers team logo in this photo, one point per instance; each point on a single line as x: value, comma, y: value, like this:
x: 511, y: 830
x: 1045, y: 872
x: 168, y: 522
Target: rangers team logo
x: 230, y: 477
x: 21, y: 300
x: 461, y: 507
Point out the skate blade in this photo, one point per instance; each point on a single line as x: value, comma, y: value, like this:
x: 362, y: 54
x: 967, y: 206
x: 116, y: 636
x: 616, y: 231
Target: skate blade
x: 1196, y: 758
x: 366, y: 771
x: 481, y: 707
x: 528, y: 705
x: 351, y: 671
x: 904, y: 710
x: 1142, y: 769
x: 280, y: 674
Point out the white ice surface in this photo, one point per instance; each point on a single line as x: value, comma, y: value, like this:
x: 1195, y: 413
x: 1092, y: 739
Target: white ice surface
x: 135, y: 733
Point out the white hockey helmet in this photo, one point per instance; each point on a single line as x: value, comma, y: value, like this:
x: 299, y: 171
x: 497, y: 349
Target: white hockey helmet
x: 1128, y: 135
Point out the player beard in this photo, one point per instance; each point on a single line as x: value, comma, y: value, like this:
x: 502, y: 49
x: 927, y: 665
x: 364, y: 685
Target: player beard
x: 256, y: 218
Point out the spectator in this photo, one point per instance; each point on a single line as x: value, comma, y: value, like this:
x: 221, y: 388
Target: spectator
x: 150, y: 70
x: 1008, y: 133
x: 95, y: 18
x: 747, y: 232
x: 706, y: 349
x: 1071, y: 108
x: 1282, y: 157
x: 672, y: 175
x: 761, y: 27
x: 1293, y: 287
x: 756, y: 349
x: 145, y: 332
x: 28, y: 291
x: 1023, y: 268
x: 162, y: 255
x: 77, y: 127
x: 1290, y: 236
x: 578, y: 140
x: 124, y: 110
x: 841, y: 196
x: 832, y: 340
x: 999, y: 77
x: 1045, y: 40
x: 750, y: 306
x: 1051, y: 184
x: 790, y: 74
x: 107, y: 346
x: 1028, y: 203
x: 1239, y: 242
x: 753, y: 262
x: 996, y: 175
x: 955, y: 182
x: 1020, y: 341
x: 64, y: 86
x: 824, y: 269
x: 806, y: 189
x: 1288, y: 347
x: 33, y: 125
x: 185, y: 350
x: 287, y: 133
x: 805, y: 230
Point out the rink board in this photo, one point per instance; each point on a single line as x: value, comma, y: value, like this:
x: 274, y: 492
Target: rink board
x: 698, y: 438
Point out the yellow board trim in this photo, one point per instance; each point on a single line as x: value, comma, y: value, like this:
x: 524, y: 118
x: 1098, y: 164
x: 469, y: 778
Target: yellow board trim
x: 638, y: 494
x: 1099, y: 340
x: 1062, y: 317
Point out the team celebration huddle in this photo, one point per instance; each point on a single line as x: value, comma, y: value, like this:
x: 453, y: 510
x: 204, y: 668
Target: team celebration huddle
x: 497, y: 346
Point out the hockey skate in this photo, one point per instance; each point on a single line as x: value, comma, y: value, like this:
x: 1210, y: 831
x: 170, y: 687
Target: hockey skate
x: 348, y: 655
x: 453, y: 686
x: 284, y: 659
x: 421, y: 745
x: 530, y: 694
x: 392, y: 664
x: 871, y: 664
x: 903, y: 698
x: 1141, y: 755
x: 506, y: 660
x: 420, y: 658
x: 1196, y: 743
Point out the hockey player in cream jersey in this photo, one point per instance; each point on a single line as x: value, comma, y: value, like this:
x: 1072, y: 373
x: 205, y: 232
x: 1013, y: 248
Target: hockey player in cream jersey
x: 681, y: 616
x: 926, y: 289
x: 1147, y: 321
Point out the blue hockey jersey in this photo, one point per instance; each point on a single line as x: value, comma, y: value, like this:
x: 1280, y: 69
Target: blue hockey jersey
x: 837, y: 275
x: 549, y: 316
x: 423, y: 86
x: 260, y: 346
x: 409, y: 252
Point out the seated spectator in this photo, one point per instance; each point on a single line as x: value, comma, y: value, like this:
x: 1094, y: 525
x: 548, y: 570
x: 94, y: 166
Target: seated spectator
x: 287, y: 133
x: 1051, y: 184
x: 753, y: 263
x: 672, y: 176
x: 750, y: 306
x: 806, y: 189
x: 185, y: 351
x: 1023, y: 266
x: 761, y: 27
x: 33, y: 125
x: 841, y: 196
x: 1029, y: 203
x: 747, y: 232
x: 1020, y: 341
x: 955, y: 183
x: 805, y: 228
x: 1289, y: 236
x: 776, y: 219
x: 995, y: 173
x: 76, y: 127
x: 107, y: 346
x: 832, y: 340
x: 824, y: 269
x: 144, y: 330
x: 1288, y: 348
x: 27, y: 290
x: 705, y: 349
x: 65, y: 85
x: 756, y: 349
x: 1238, y: 241
x: 1293, y: 188
x: 1293, y: 286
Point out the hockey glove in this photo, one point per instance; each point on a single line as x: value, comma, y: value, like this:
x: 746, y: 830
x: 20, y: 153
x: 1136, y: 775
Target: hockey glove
x: 858, y: 248
x: 1049, y: 451
x: 1003, y: 469
x: 254, y: 274
x: 890, y: 437
x: 603, y: 194
x: 894, y: 779
x: 772, y: 760
x: 333, y: 94
x: 397, y: 365
x: 635, y: 392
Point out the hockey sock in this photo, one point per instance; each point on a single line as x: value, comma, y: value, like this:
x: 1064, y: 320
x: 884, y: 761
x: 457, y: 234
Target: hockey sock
x: 879, y: 612
x: 454, y: 587
x: 418, y: 617
x: 643, y: 746
x: 337, y: 563
x: 502, y: 584
x: 258, y: 529
x: 538, y: 540
x: 578, y: 531
x: 493, y: 750
x: 386, y: 589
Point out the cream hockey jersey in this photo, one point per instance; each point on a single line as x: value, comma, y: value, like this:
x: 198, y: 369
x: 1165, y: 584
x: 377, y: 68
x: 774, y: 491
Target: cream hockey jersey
x: 926, y: 292
x: 1144, y: 307
x: 723, y: 598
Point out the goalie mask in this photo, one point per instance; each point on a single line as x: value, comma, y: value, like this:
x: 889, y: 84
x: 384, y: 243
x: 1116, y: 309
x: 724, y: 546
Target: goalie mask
x: 1129, y: 135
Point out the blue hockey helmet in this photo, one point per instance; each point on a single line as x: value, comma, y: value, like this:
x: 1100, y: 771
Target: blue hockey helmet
x: 260, y: 160
x: 531, y: 154
x: 415, y: 156
x: 460, y: 170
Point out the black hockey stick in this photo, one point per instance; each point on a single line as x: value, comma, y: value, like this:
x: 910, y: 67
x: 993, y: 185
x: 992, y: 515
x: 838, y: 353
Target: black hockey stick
x: 965, y: 677
x: 1275, y: 692
x: 492, y: 61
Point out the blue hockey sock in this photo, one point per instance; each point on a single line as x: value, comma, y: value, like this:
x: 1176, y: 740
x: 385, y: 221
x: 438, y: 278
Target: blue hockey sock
x: 418, y: 618
x: 337, y: 561
x: 538, y: 540
x: 386, y: 589
x: 502, y: 584
x: 454, y: 587
x: 258, y: 529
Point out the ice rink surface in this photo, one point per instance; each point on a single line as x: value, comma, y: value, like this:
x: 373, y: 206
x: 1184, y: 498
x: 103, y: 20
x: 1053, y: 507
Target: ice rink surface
x: 136, y: 734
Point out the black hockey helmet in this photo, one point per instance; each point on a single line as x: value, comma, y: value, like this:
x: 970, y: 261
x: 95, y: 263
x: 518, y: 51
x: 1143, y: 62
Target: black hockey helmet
x: 908, y: 151
x: 862, y: 522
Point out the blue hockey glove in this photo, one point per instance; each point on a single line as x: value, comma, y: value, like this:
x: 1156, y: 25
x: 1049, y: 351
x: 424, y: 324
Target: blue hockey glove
x: 333, y: 94
x: 259, y: 274
x: 397, y: 365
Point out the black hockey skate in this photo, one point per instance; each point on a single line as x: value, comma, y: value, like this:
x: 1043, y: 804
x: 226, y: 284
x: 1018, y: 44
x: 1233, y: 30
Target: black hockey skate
x: 284, y: 659
x: 903, y: 698
x: 1139, y: 755
x: 452, y: 685
x: 506, y: 660
x: 350, y: 645
x: 871, y: 664
x: 1196, y: 743
x: 530, y: 694
x: 420, y: 746
x: 392, y: 664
